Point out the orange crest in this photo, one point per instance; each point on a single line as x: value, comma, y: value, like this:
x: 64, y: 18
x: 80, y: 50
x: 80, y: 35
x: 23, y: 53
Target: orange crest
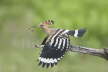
x: 49, y: 22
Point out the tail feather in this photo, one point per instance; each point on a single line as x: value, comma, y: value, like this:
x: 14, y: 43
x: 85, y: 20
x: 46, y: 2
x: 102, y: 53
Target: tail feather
x: 81, y: 32
x: 77, y: 33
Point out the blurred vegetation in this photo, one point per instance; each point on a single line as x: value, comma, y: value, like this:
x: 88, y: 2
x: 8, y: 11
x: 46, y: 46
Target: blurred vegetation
x: 17, y: 52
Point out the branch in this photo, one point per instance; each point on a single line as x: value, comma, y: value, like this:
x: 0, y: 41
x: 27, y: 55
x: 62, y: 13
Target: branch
x: 103, y: 53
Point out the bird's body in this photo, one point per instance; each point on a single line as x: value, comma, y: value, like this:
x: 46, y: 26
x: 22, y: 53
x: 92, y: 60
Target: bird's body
x: 56, y: 44
x: 54, y: 48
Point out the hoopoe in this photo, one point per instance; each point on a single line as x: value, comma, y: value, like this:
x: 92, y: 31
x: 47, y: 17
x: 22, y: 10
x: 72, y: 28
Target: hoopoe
x: 56, y: 44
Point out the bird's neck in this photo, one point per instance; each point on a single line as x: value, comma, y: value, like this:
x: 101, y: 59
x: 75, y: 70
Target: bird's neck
x: 48, y: 30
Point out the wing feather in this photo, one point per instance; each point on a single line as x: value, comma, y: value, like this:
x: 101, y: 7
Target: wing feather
x: 52, y: 53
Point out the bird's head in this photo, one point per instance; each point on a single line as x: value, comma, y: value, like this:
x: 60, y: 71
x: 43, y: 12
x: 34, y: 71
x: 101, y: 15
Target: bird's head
x: 46, y: 23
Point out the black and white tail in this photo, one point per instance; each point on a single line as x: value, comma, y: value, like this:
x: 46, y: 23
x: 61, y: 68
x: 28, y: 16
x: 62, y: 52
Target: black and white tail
x: 77, y: 32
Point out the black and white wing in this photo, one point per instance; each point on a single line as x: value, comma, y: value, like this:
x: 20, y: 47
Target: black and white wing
x: 56, y: 45
x: 54, y: 48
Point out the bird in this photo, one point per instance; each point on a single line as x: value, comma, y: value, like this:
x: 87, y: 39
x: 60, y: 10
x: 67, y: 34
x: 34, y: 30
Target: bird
x: 56, y: 43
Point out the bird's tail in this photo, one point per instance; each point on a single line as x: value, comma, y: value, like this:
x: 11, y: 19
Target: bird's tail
x: 77, y: 32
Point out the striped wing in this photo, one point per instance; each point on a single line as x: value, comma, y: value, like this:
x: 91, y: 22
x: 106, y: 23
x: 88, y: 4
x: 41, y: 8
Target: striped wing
x: 56, y: 45
x: 54, y: 48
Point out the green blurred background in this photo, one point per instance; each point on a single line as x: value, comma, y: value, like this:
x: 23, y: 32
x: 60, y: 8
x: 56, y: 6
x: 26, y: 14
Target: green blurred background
x: 17, y: 51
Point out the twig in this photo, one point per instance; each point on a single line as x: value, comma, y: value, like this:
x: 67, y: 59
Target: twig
x: 39, y: 46
x: 91, y: 51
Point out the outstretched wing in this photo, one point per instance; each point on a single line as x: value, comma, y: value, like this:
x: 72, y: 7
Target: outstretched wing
x: 56, y: 45
x: 54, y: 48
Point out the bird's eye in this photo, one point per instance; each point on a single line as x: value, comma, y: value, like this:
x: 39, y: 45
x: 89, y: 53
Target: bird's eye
x: 41, y: 25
